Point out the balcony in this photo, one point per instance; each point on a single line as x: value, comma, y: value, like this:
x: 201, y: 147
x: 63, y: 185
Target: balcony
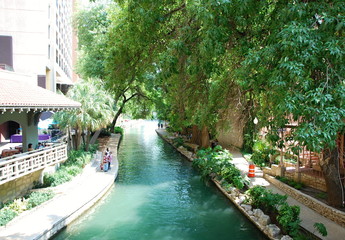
x: 19, y: 165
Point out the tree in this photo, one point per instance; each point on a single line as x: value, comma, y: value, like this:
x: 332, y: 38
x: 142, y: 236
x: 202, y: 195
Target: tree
x: 104, y: 51
x: 295, y: 68
x: 275, y: 59
x: 95, y: 113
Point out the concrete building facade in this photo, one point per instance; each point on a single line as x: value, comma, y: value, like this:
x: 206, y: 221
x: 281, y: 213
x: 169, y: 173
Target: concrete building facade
x: 43, y: 40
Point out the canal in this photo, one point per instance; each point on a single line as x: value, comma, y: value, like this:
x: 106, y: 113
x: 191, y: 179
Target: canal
x: 158, y: 195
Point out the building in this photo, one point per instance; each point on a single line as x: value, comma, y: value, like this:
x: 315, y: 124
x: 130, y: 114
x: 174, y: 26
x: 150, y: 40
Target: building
x: 38, y: 39
x: 37, y: 50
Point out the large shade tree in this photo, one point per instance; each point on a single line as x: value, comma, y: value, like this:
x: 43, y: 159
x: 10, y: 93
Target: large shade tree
x: 111, y: 54
x: 277, y: 59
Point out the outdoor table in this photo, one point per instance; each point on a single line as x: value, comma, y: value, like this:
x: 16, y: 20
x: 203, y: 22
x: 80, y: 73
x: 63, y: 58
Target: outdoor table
x: 9, y: 152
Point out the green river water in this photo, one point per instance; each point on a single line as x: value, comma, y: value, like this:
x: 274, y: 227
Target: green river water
x: 158, y: 195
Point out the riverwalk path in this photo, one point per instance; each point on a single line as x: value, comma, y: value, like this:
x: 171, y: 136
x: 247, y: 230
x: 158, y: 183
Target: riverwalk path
x: 71, y: 200
x: 308, y: 216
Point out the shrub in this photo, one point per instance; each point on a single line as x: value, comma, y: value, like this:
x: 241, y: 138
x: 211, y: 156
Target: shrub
x: 6, y: 215
x: 288, y: 218
x: 59, y: 177
x: 276, y: 206
x: 18, y: 205
x: 37, y: 198
x: 118, y: 130
x: 105, y: 132
x: 73, y: 170
x: 93, y: 147
x: 261, y: 153
x: 78, y: 158
x: 321, y: 229
x: 217, y: 162
x: 178, y: 142
x: 262, y: 198
x: 292, y: 183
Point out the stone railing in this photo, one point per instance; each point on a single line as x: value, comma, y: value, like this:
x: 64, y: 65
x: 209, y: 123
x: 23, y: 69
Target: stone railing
x: 19, y: 165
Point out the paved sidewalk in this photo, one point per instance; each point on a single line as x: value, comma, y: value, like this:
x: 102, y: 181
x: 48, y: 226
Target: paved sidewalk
x: 308, y: 216
x: 72, y: 199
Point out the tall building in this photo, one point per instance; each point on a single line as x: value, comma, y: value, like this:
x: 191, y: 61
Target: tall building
x: 37, y: 37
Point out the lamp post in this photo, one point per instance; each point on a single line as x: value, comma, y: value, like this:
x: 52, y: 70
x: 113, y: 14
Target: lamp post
x: 255, y: 121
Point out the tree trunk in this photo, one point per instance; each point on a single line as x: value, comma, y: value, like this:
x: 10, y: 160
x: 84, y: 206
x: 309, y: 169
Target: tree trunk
x: 205, y: 137
x: 69, y: 139
x: 77, y: 139
x: 330, y: 168
x: 117, y: 115
x: 95, y: 136
x: 195, y: 135
x: 87, y: 142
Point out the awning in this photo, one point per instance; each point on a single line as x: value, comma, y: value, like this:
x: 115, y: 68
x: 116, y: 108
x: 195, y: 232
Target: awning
x: 64, y: 80
x: 16, y: 94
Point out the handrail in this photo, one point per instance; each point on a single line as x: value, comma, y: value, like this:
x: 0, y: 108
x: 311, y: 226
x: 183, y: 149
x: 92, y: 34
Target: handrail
x: 19, y: 165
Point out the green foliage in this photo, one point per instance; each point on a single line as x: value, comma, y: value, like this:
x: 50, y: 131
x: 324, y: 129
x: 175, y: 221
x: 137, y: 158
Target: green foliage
x: 37, y: 198
x: 93, y: 148
x: 96, y: 109
x: 288, y: 218
x: 261, y: 153
x: 292, y: 183
x: 57, y: 178
x: 322, y: 195
x: 199, y: 60
x: 17, y: 206
x: 78, y: 158
x: 178, y: 141
x: 73, y: 166
x: 217, y: 162
x: 276, y: 206
x: 118, y: 130
x: 265, y: 199
x: 320, y: 227
x: 6, y: 215
x: 105, y: 132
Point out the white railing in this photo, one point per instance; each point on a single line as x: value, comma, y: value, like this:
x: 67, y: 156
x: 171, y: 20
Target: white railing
x: 16, y: 166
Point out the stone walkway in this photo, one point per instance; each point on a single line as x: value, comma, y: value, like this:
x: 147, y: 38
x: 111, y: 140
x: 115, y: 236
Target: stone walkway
x: 72, y: 199
x: 308, y: 216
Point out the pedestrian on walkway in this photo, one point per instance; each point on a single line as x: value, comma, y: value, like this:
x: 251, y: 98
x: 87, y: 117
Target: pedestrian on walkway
x: 110, y: 159
x: 105, y: 164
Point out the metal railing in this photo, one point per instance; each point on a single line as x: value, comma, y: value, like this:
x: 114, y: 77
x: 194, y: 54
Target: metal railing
x: 19, y: 165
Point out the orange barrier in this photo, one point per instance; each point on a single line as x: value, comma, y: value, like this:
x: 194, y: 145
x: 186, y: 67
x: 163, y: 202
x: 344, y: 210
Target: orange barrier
x: 251, y: 172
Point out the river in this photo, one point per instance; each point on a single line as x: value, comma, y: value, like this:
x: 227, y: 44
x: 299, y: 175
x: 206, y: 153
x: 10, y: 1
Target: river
x: 158, y: 195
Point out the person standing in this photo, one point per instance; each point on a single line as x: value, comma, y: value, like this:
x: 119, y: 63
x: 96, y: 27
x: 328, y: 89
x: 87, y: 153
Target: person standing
x: 110, y: 159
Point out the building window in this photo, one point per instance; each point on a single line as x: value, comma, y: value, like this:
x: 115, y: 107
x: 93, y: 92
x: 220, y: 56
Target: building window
x: 57, y: 57
x: 48, y: 51
x: 48, y: 31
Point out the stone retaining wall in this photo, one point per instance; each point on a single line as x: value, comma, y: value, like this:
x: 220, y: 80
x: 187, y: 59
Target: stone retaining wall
x: 18, y: 187
x: 319, y: 207
x: 308, y: 180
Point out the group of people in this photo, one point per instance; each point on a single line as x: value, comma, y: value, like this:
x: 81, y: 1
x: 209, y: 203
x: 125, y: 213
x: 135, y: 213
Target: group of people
x: 107, y: 159
x: 39, y: 146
